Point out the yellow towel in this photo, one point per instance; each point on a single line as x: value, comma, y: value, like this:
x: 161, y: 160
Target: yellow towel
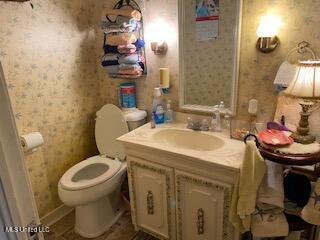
x: 127, y: 12
x: 245, y: 190
x: 121, y: 39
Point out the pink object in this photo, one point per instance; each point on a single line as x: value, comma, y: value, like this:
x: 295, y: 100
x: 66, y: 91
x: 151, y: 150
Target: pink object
x: 275, y: 137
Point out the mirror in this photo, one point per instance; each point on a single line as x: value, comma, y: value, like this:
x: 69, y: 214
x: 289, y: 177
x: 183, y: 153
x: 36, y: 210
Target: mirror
x: 209, y: 42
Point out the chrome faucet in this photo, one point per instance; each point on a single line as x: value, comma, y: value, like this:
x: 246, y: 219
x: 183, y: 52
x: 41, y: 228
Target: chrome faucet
x: 197, y: 126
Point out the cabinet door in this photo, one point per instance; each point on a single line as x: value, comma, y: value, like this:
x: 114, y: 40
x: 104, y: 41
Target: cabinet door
x: 152, y: 197
x: 202, y: 208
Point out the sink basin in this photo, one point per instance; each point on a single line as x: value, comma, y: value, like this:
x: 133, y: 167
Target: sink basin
x: 188, y: 140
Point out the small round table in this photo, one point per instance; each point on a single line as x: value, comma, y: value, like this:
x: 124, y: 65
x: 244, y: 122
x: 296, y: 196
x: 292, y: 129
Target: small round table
x: 295, y: 222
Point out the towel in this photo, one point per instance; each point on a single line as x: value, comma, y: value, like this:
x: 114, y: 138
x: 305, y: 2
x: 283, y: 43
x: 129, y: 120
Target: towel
x: 110, y: 60
x: 120, y: 39
x: 130, y: 59
x: 112, y: 69
x: 271, y: 193
x: 245, y: 191
x: 127, y: 22
x: 110, y: 49
x: 270, y: 224
x: 124, y: 66
x: 285, y: 74
x: 126, y: 76
x: 269, y: 219
x: 128, y: 12
x: 127, y: 49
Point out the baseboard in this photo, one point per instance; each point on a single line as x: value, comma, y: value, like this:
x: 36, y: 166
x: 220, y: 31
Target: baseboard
x: 55, y: 215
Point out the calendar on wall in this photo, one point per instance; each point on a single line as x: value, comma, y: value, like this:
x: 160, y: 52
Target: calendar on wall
x: 207, y: 20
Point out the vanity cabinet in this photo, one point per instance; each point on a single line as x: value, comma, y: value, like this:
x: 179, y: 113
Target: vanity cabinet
x: 152, y: 198
x: 173, y: 204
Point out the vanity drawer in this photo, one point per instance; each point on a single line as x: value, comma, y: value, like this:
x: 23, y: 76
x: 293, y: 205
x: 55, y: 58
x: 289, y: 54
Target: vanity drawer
x: 152, y: 197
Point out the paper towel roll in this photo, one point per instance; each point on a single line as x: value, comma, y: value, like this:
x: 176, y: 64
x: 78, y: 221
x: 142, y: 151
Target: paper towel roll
x: 31, y: 141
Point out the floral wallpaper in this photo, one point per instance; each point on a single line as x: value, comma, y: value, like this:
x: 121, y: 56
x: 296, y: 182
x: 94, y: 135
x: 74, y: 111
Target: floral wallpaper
x: 208, y: 64
x: 50, y: 56
x: 257, y: 70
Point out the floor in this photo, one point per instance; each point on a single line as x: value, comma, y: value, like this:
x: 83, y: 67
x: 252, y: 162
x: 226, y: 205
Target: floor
x: 122, y: 230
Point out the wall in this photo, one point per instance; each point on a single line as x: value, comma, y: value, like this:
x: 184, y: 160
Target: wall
x: 257, y: 70
x: 51, y: 58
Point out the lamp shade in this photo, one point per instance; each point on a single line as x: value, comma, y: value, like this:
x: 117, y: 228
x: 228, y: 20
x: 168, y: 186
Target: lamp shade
x: 306, y: 83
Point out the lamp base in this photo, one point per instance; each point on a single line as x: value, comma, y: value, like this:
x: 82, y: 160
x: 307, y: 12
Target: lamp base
x: 304, y: 139
x: 302, y: 134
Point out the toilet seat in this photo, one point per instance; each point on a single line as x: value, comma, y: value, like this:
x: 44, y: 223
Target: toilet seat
x: 102, y: 169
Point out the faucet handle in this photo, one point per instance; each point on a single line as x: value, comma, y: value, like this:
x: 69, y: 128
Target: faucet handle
x: 190, y: 123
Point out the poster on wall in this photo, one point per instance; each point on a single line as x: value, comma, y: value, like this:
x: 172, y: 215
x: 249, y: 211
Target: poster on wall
x: 207, y: 20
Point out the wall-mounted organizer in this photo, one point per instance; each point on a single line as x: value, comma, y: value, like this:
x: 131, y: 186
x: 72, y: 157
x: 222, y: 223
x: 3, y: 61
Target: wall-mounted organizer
x: 124, y: 53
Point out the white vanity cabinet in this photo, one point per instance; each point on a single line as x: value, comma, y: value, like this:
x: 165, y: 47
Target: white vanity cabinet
x: 173, y: 204
x: 152, y: 198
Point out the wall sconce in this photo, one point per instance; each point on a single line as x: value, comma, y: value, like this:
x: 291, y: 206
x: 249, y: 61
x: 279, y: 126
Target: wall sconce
x: 159, y: 34
x: 267, y: 33
x: 159, y: 47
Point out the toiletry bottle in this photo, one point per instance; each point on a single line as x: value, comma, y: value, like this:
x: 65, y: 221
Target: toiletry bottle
x: 169, y: 113
x: 216, y: 120
x: 157, y: 106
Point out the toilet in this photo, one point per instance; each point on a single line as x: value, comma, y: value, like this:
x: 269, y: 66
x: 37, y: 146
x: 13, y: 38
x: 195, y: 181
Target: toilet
x: 93, y: 185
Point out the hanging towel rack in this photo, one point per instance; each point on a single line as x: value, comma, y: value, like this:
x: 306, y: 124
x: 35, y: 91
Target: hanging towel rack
x: 123, y: 3
x: 302, y: 48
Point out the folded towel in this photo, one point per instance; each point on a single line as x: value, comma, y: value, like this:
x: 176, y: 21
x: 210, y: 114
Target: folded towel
x: 271, y: 193
x: 285, y: 74
x: 130, y: 59
x: 124, y: 66
x: 130, y: 72
x: 112, y: 30
x: 110, y: 49
x: 126, y: 76
x: 110, y: 57
x: 112, y: 69
x: 245, y: 190
x: 125, y: 12
x: 127, y: 21
x: 127, y: 49
x: 120, y: 39
x: 269, y: 224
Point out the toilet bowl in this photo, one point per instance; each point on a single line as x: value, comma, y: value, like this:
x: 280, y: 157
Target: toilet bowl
x: 93, y: 185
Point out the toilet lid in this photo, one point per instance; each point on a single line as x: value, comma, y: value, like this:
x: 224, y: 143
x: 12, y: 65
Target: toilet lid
x: 89, y: 172
x: 110, y: 124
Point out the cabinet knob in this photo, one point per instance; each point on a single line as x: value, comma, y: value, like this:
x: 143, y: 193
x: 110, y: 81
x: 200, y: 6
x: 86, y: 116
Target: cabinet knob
x: 200, y: 221
x: 150, y: 204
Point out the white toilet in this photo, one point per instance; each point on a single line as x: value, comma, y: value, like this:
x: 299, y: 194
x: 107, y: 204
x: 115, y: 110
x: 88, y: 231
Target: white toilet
x: 93, y: 185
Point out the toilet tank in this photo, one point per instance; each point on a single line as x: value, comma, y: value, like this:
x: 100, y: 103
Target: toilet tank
x: 134, y: 117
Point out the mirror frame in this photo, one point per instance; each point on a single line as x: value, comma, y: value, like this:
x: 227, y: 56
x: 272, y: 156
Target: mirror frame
x: 236, y: 63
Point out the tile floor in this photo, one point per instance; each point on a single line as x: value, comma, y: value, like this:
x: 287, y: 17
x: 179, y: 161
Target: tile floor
x: 122, y: 230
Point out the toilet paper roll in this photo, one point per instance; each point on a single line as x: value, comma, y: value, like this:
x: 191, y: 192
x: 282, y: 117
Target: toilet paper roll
x: 31, y: 141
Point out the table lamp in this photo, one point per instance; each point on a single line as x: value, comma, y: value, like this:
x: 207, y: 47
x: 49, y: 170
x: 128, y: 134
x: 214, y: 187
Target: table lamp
x: 306, y: 85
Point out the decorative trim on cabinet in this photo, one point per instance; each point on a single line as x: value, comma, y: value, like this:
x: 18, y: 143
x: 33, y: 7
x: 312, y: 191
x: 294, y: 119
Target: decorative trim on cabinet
x: 227, y: 227
x: 133, y: 206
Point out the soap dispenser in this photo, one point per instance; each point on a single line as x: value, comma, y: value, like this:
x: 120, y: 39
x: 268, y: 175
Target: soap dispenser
x: 216, y: 120
x: 169, y: 113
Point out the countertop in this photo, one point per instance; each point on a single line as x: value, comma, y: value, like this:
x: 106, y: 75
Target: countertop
x: 228, y: 156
